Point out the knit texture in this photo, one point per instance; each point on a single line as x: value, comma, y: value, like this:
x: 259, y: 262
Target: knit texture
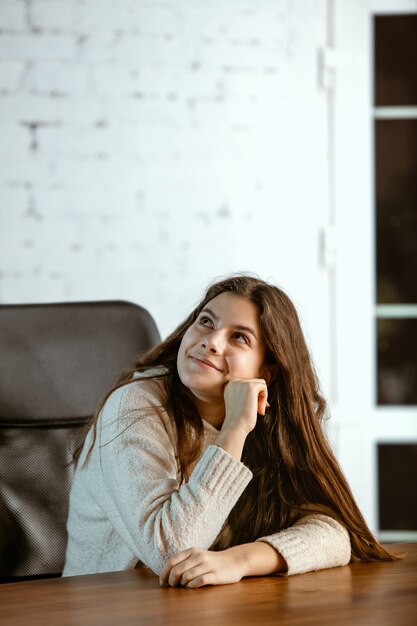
x: 314, y: 542
x: 127, y: 506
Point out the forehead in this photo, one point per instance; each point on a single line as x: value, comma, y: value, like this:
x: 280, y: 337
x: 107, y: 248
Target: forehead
x: 234, y: 309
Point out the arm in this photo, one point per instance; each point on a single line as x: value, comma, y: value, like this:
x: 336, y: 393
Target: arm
x: 244, y: 399
x: 314, y: 542
x: 134, y: 457
x: 195, y: 568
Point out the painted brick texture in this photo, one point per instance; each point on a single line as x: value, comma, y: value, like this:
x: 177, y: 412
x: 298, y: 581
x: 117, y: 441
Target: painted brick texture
x: 149, y: 146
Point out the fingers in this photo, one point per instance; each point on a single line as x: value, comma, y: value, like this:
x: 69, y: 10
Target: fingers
x: 263, y: 400
x: 252, y: 386
x: 173, y: 563
x: 206, y: 578
x: 196, y: 568
x: 196, y: 576
x: 184, y: 568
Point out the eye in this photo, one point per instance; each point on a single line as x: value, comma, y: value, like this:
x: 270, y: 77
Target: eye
x: 205, y: 321
x: 240, y: 338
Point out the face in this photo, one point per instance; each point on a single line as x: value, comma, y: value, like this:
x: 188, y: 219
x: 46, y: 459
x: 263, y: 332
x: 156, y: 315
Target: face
x: 224, y: 343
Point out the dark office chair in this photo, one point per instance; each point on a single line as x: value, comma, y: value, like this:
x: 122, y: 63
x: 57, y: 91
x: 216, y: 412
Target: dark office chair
x: 56, y: 363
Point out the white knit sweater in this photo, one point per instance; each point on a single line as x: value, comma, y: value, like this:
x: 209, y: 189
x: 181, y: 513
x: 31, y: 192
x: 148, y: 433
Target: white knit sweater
x: 127, y: 506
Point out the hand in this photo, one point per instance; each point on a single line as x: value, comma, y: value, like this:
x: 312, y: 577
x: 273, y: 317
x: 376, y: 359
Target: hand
x: 195, y: 568
x: 244, y: 399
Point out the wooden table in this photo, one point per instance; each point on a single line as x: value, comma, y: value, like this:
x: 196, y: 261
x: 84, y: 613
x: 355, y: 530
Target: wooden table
x: 358, y: 594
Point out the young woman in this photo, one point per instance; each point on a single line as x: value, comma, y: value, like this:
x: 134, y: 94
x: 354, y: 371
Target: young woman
x: 208, y: 462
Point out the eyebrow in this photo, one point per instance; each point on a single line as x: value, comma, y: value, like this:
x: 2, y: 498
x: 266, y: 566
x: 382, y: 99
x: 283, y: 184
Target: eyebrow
x: 247, y: 329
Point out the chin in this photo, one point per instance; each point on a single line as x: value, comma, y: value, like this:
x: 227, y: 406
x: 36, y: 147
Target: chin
x: 206, y: 395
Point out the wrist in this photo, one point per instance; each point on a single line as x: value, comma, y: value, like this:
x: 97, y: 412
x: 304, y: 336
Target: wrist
x: 241, y: 557
x: 232, y: 439
x: 258, y: 559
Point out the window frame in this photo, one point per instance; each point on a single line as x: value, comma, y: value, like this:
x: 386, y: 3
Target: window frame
x: 360, y: 424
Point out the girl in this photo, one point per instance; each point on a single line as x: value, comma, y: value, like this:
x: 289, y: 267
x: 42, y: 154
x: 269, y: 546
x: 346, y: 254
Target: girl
x: 208, y: 462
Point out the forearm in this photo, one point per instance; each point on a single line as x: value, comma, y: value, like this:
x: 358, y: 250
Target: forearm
x: 232, y: 440
x: 244, y: 400
x: 142, y: 493
x: 314, y: 542
x: 258, y: 559
x: 195, y: 567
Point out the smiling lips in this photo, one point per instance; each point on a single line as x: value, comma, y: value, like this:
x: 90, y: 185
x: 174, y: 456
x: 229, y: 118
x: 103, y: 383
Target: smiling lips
x: 202, y: 361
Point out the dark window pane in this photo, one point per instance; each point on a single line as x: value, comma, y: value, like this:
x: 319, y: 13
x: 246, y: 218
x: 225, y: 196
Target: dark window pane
x: 396, y: 210
x: 397, y: 471
x: 395, y: 50
x: 397, y: 361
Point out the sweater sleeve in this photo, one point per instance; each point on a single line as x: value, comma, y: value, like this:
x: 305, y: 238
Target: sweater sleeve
x: 141, y: 496
x: 314, y: 542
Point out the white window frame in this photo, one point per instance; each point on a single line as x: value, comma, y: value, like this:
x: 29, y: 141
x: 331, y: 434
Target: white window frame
x: 359, y: 424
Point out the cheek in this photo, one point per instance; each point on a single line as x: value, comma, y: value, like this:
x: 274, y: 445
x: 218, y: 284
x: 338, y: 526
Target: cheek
x: 181, y: 354
x: 245, y: 366
x: 185, y: 345
x: 186, y: 342
x: 251, y: 365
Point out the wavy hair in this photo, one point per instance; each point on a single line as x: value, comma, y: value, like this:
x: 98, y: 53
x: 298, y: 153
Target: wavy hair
x: 294, y: 469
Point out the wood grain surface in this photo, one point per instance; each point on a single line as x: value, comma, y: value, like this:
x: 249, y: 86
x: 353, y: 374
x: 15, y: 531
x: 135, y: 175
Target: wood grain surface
x: 359, y: 594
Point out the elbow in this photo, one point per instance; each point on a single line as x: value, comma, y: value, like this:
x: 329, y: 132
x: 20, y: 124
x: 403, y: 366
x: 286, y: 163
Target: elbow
x: 339, y: 550
x: 345, y: 549
x: 158, y: 543
x: 152, y: 559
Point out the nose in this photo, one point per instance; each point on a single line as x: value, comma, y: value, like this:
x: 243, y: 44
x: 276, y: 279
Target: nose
x: 213, y: 343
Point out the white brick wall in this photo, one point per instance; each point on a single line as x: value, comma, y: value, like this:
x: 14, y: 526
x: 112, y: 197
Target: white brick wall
x: 147, y: 147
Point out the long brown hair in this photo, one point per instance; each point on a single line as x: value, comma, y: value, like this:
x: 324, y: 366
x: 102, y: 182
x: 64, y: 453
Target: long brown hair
x: 294, y: 469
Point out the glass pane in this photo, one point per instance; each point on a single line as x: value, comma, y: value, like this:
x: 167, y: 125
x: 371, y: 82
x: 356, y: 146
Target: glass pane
x: 397, y: 471
x: 397, y: 360
x: 395, y: 50
x: 396, y: 210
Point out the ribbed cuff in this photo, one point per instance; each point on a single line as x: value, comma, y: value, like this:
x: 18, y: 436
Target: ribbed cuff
x: 219, y: 473
x: 293, y: 549
x: 313, y: 543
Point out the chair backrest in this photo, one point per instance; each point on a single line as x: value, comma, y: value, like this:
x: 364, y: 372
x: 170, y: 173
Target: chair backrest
x: 56, y: 363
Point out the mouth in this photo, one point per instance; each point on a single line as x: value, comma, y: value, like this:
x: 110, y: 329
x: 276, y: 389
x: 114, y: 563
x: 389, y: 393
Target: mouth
x: 204, y: 362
